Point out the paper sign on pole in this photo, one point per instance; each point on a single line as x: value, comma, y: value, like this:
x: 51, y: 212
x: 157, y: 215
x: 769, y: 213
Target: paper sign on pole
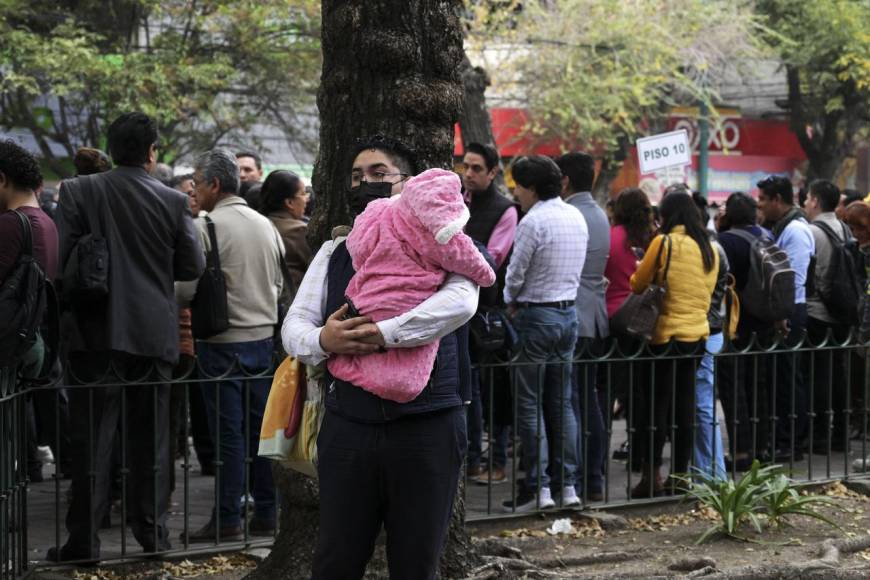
x: 664, y: 150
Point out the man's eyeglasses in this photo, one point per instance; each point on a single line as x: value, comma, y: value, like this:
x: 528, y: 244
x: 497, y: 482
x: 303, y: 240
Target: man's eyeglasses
x: 375, y: 176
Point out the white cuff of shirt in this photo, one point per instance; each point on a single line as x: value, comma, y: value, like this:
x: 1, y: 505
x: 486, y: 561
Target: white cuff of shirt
x: 390, y: 331
x: 314, y: 353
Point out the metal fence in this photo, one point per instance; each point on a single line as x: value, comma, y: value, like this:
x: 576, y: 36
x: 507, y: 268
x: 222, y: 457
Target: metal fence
x: 107, y: 418
x: 803, y: 405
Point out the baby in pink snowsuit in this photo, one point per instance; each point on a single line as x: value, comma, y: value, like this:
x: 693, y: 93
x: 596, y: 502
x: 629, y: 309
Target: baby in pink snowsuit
x: 402, y: 249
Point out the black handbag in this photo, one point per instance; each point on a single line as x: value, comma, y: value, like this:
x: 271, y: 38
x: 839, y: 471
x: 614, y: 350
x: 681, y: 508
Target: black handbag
x: 208, y: 309
x: 489, y: 331
x: 86, y: 272
x: 639, y: 313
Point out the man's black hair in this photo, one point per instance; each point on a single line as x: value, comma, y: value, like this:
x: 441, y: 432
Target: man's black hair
x: 741, y: 210
x: 777, y: 186
x: 19, y: 166
x: 539, y: 173
x: 852, y: 195
x: 827, y: 193
x: 179, y: 179
x: 400, y: 154
x: 579, y: 168
x: 248, y: 153
x: 130, y: 137
x: 488, y: 152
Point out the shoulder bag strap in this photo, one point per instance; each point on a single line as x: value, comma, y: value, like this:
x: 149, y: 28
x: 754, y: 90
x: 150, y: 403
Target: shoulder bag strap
x: 213, y: 258
x: 89, y: 199
x: 27, y: 245
x: 743, y: 234
x: 667, y: 260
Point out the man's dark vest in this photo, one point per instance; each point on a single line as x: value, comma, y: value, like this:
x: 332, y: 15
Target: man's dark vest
x: 357, y: 404
x: 486, y: 210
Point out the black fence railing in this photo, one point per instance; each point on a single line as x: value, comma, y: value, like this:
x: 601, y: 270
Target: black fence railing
x: 108, y: 458
x: 136, y: 438
x: 643, y: 412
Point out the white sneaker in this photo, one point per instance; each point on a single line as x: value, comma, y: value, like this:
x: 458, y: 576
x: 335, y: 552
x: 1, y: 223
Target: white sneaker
x: 569, y: 496
x: 44, y: 454
x: 861, y: 465
x: 527, y: 502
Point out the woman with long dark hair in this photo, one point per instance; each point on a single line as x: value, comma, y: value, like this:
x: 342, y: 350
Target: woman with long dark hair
x: 283, y: 200
x: 683, y: 260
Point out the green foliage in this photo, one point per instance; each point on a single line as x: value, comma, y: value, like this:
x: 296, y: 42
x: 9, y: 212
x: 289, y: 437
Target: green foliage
x: 597, y: 74
x: 761, y: 491
x: 825, y: 47
x: 781, y: 499
x: 203, y: 69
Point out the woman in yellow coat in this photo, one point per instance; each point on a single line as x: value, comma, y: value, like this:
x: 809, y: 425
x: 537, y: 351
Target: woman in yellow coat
x: 680, y: 332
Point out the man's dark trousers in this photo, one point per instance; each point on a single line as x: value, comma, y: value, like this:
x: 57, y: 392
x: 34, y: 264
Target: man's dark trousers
x: 828, y: 383
x: 791, y: 398
x: 95, y: 416
x: 401, y: 474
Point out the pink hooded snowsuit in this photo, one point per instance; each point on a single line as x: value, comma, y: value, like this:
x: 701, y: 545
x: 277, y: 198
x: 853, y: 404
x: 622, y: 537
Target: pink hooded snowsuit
x: 402, y: 249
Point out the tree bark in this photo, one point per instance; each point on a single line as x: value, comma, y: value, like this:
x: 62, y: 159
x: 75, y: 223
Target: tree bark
x: 475, y: 124
x: 387, y: 69
x: 392, y: 70
x: 474, y: 121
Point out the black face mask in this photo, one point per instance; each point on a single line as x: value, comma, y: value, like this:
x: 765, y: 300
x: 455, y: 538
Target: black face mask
x: 364, y: 193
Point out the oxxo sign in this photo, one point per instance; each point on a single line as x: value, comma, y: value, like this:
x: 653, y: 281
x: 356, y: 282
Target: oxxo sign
x: 664, y: 150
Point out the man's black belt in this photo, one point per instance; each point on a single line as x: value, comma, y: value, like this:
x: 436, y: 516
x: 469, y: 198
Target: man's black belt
x: 562, y: 304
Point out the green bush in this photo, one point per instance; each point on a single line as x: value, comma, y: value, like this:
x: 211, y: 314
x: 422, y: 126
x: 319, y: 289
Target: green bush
x: 760, y: 492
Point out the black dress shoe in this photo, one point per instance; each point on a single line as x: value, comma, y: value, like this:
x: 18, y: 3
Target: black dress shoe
x: 66, y: 555
x: 742, y: 464
x: 208, y: 533
x: 785, y: 456
x: 261, y: 527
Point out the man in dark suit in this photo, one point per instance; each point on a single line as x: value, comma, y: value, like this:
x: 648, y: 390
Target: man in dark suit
x: 130, y: 334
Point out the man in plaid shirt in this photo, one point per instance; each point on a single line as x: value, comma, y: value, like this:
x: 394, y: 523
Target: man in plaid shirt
x: 541, y: 286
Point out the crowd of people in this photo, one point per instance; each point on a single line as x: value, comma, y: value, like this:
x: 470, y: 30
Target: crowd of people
x: 163, y: 275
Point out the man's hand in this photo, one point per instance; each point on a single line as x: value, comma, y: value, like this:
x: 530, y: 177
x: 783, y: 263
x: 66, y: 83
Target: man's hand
x: 782, y: 326
x: 347, y: 336
x: 376, y: 338
x: 512, y: 309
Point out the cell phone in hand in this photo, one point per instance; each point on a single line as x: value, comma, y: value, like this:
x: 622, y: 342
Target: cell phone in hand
x: 352, y: 312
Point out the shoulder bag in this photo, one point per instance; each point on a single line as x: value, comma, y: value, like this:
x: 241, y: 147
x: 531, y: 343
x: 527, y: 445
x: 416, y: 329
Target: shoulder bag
x: 639, y: 313
x: 208, y: 309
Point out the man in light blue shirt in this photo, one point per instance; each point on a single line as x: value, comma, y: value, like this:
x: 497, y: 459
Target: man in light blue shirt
x: 793, y: 235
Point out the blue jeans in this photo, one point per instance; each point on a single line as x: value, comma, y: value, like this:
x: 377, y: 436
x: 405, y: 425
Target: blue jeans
x: 708, y: 436
x: 544, y: 391
x: 237, y: 434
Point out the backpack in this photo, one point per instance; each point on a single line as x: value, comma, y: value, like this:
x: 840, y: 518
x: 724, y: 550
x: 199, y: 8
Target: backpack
x: 86, y: 272
x: 770, y: 287
x: 23, y: 299
x: 843, y: 287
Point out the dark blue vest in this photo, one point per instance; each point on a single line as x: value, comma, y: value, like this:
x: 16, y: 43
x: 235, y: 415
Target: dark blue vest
x: 444, y: 388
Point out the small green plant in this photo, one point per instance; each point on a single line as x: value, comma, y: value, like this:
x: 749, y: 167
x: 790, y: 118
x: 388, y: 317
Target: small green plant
x: 782, y: 499
x: 760, y: 492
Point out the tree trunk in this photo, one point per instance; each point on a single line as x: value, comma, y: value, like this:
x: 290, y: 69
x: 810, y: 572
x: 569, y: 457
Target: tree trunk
x: 610, y: 167
x: 387, y: 69
x: 293, y: 551
x: 392, y: 70
x: 474, y: 121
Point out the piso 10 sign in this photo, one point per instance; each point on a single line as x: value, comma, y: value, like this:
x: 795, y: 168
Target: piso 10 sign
x: 664, y: 150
